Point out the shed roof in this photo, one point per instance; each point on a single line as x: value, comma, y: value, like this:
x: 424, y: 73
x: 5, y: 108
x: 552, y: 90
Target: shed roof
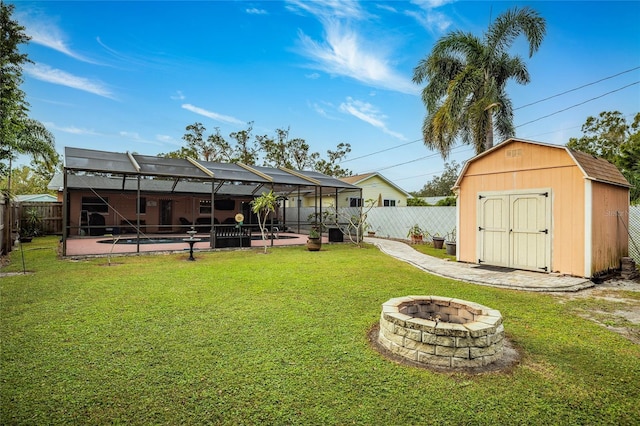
x: 598, y: 168
x: 593, y: 168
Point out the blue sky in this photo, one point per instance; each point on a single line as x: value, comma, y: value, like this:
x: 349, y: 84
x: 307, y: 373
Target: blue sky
x: 130, y: 76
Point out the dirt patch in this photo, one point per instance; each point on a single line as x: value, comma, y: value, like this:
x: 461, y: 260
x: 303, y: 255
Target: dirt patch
x: 613, y: 304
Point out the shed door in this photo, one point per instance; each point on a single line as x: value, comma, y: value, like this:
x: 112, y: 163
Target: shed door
x: 515, y: 230
x: 494, y: 230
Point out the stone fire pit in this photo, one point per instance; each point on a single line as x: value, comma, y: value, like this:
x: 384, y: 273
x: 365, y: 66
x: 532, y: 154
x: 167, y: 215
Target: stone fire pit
x: 441, y: 331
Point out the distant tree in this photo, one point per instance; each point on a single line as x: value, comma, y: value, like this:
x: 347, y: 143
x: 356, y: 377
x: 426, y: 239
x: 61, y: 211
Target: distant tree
x: 440, y: 185
x: 245, y: 151
x: 26, y: 180
x: 609, y: 136
x: 183, y: 152
x: 330, y: 166
x: 416, y: 202
x: 18, y: 133
x: 276, y: 152
x: 302, y: 158
x: 47, y: 169
x: 222, y: 151
x: 467, y: 78
x: 214, y: 148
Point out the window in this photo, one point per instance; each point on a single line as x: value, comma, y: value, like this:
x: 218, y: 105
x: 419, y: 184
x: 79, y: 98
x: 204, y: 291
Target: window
x: 95, y: 204
x: 389, y: 203
x: 205, y: 206
x: 142, y: 203
x: 226, y: 204
x: 355, y: 202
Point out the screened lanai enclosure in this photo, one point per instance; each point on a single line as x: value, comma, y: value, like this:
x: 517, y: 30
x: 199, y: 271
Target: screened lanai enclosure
x: 125, y: 199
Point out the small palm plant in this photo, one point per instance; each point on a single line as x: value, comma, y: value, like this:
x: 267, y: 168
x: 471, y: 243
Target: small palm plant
x: 262, y: 207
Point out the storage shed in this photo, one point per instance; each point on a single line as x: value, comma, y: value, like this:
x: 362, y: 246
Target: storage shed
x: 540, y: 207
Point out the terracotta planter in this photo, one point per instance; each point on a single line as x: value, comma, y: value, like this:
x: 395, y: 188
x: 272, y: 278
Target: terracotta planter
x: 438, y: 242
x: 416, y: 239
x: 314, y: 244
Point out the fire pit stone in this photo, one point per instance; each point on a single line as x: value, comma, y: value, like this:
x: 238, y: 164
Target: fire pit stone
x: 441, y: 331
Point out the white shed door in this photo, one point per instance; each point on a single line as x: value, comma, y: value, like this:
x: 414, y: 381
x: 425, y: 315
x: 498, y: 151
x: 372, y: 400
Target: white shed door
x: 515, y: 230
x: 494, y: 230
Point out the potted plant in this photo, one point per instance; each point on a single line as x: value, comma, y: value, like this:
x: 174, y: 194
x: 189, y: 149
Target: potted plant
x: 451, y: 242
x: 314, y: 242
x: 32, y: 226
x: 438, y: 241
x: 370, y: 231
x: 416, y: 234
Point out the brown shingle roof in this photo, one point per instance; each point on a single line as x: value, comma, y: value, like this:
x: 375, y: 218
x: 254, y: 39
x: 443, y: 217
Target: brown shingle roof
x: 598, y: 168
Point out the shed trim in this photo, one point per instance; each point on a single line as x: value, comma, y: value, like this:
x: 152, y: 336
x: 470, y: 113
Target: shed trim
x: 620, y: 179
x: 588, y: 230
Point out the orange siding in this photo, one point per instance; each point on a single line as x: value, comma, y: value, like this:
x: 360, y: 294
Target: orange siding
x: 520, y: 166
x: 610, y: 220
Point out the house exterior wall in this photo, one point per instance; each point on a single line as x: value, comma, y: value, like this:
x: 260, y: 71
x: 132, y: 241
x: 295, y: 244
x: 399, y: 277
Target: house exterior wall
x: 122, y: 207
x: 520, y: 166
x: 377, y: 189
x: 609, y: 224
x: 373, y: 188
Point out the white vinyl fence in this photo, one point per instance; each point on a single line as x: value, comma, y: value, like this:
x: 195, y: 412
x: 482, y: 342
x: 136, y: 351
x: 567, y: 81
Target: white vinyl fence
x: 391, y: 222
x: 394, y: 222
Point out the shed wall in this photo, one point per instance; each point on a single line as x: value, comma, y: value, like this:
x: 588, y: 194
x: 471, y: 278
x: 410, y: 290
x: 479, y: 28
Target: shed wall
x: 609, y: 224
x: 520, y: 166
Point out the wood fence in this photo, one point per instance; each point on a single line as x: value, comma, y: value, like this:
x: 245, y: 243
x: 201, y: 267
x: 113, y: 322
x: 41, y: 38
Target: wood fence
x: 50, y: 215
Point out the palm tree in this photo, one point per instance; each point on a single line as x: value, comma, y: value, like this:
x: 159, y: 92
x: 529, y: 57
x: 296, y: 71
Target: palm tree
x: 31, y: 139
x: 467, y: 76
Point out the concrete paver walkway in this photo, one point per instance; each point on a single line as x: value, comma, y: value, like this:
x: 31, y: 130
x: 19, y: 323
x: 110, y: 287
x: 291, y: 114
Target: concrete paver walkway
x: 517, y: 280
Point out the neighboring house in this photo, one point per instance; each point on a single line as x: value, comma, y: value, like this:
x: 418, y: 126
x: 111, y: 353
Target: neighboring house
x: 373, y: 186
x: 541, y: 207
x: 35, y: 198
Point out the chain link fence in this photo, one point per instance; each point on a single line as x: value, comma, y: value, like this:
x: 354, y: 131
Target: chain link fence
x: 634, y: 233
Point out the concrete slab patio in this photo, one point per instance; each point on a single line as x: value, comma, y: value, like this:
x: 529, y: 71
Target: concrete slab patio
x: 495, y: 277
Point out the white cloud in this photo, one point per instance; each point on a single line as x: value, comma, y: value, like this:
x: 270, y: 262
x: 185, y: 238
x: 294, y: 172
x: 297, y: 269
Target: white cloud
x: 135, y: 137
x: 49, y: 35
x: 179, y: 96
x: 429, y: 18
x: 52, y: 75
x: 369, y: 114
x: 71, y: 129
x: 321, y: 109
x: 165, y: 138
x: 255, y: 11
x: 343, y: 53
x: 212, y: 115
x: 313, y: 76
x: 328, y: 9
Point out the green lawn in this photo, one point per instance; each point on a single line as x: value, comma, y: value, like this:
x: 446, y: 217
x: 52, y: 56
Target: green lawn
x: 241, y: 337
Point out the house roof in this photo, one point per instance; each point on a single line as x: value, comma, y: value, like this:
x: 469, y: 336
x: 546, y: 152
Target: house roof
x: 359, y: 179
x: 593, y: 168
x: 35, y: 198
